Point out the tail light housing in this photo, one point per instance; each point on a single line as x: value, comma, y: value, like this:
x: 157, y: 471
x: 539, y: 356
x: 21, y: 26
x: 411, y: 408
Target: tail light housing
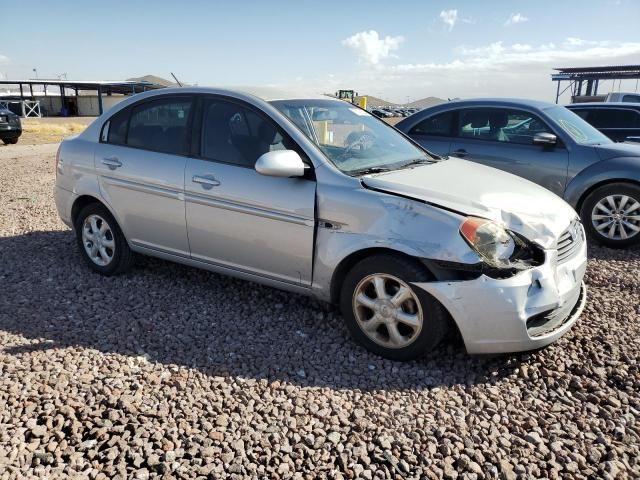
x: 58, y: 164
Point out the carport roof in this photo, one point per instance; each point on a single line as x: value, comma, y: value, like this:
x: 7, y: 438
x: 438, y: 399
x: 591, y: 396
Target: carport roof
x: 124, y: 86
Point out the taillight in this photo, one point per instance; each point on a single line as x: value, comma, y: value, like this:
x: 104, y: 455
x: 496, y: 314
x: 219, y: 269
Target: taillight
x: 58, y: 165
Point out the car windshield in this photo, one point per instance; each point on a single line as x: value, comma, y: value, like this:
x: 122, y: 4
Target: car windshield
x: 355, y: 141
x: 578, y: 129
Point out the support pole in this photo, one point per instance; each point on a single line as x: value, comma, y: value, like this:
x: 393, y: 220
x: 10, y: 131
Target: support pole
x: 62, y: 97
x: 558, y: 91
x: 100, y: 99
x: 31, y: 89
x: 21, y: 93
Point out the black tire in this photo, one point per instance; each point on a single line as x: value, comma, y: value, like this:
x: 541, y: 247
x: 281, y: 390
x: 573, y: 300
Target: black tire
x: 122, y: 256
x: 435, y: 318
x: 600, y: 193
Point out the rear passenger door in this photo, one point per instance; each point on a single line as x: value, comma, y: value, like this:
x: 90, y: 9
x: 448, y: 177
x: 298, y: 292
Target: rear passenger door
x: 503, y: 138
x: 236, y: 217
x: 140, y: 162
x: 435, y: 132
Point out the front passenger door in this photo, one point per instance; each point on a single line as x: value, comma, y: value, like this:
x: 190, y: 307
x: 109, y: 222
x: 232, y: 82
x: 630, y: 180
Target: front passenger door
x: 238, y: 218
x: 503, y: 138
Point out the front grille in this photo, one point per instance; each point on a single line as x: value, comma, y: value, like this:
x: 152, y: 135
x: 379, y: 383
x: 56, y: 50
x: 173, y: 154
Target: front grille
x: 570, y: 241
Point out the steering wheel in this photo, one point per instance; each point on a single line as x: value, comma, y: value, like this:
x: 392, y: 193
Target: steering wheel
x: 364, y: 140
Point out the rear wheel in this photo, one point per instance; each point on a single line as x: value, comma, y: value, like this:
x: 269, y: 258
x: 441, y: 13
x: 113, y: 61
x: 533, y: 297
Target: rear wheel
x: 386, y: 314
x: 101, y: 242
x: 611, y: 215
x: 10, y: 141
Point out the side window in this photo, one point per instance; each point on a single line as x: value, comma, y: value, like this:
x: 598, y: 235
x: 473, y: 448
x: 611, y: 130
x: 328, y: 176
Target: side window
x: 583, y: 113
x: 500, y: 125
x: 474, y: 123
x: 614, y: 118
x: 631, y: 98
x: 117, y: 127
x: 160, y: 125
x: 232, y: 133
x: 438, y: 125
x: 521, y: 127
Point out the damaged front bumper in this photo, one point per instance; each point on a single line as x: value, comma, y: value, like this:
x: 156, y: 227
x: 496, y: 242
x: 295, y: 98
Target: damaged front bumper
x: 527, y: 311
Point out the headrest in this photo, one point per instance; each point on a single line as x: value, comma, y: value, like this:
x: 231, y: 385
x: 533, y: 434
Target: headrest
x: 498, y: 119
x: 476, y: 118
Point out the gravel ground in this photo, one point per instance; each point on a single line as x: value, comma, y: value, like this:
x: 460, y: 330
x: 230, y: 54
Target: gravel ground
x: 173, y: 372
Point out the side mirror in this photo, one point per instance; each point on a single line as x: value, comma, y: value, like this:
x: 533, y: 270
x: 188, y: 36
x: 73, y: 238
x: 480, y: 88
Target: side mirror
x: 545, y: 138
x: 280, y: 163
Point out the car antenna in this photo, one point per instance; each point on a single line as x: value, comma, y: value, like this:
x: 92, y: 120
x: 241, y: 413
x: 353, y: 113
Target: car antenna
x: 176, y: 79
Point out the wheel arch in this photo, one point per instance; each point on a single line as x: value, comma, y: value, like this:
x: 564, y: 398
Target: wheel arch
x: 87, y: 199
x: 347, y: 263
x: 603, y: 183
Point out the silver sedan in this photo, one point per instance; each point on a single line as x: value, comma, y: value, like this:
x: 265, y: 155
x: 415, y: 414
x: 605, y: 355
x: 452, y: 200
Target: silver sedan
x: 313, y: 195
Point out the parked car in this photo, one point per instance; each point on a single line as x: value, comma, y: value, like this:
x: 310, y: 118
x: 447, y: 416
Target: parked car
x: 618, y: 121
x: 381, y: 113
x: 10, y: 126
x: 549, y: 145
x: 623, y: 97
x: 316, y: 196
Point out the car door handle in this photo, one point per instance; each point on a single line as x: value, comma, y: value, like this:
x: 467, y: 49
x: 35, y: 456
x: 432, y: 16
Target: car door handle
x: 461, y: 152
x: 207, y: 181
x: 111, y: 162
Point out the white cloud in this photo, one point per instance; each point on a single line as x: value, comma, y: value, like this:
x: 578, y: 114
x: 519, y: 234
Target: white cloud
x: 516, y: 18
x: 496, y: 56
x: 370, y: 47
x: 449, y: 17
x: 499, y: 69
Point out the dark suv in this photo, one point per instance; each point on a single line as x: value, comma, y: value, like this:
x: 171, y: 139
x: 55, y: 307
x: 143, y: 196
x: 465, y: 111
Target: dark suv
x: 620, y: 121
x: 10, y: 126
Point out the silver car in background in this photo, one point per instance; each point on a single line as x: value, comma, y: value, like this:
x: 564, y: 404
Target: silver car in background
x: 313, y: 195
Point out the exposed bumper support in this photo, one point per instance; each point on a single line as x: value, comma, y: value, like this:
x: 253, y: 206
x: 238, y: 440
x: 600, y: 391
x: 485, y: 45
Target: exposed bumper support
x: 492, y: 314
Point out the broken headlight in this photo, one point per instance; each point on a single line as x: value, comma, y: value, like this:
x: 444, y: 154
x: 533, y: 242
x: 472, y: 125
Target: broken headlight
x: 499, y: 248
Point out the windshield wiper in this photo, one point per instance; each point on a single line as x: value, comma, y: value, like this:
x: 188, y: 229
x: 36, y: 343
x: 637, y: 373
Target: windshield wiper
x: 367, y: 171
x: 420, y: 161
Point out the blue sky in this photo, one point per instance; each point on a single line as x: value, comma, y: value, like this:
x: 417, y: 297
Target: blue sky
x: 392, y: 49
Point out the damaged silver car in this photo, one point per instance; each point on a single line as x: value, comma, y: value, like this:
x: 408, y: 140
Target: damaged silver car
x: 316, y: 196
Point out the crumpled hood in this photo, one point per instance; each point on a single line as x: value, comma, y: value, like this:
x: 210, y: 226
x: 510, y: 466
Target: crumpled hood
x: 615, y: 150
x: 472, y: 189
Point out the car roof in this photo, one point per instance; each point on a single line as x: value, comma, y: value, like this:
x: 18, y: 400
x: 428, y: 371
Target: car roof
x: 489, y: 102
x: 266, y: 93
x: 604, y: 104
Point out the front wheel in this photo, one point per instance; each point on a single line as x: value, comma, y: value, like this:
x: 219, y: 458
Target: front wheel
x: 611, y: 215
x: 10, y: 141
x: 386, y: 314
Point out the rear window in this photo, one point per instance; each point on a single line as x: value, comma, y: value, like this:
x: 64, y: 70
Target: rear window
x: 159, y: 125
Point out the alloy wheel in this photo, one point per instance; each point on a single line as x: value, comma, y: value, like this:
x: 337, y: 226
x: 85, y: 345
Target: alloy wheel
x: 98, y: 240
x: 616, y: 217
x: 387, y: 310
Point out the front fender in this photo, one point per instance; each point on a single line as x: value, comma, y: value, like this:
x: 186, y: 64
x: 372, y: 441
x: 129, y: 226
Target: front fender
x: 612, y: 170
x: 351, y: 221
